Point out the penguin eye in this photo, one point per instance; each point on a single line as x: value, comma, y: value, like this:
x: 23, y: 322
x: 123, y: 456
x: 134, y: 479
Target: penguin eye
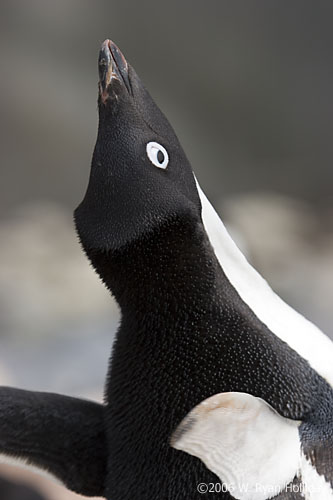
x: 157, y: 154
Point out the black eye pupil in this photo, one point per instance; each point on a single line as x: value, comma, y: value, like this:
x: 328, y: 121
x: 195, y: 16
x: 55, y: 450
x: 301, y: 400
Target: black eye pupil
x: 160, y: 156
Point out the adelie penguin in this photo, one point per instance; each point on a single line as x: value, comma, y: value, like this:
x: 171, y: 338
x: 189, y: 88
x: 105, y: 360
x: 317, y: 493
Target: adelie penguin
x: 216, y: 388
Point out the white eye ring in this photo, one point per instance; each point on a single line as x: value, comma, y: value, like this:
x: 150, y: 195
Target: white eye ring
x: 157, y: 154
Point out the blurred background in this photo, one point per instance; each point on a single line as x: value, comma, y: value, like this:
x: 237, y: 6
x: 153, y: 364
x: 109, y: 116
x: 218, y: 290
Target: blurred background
x: 247, y: 86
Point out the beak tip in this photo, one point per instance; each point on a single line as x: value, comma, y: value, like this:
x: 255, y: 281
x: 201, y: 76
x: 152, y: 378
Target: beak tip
x: 111, y: 64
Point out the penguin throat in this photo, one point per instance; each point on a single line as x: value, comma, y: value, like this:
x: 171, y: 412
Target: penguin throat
x: 173, y: 268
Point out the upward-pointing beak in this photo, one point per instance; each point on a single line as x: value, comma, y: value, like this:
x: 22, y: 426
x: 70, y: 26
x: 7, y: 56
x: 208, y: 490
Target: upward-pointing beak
x: 111, y: 65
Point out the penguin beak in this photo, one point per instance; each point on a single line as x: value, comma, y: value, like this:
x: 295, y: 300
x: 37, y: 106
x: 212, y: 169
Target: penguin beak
x: 112, y: 65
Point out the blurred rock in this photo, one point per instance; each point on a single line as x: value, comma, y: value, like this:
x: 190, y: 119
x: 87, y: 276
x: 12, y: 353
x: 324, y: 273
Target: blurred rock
x: 55, y: 314
x: 44, y: 275
x: 291, y: 244
x: 16, y: 490
x: 48, y: 489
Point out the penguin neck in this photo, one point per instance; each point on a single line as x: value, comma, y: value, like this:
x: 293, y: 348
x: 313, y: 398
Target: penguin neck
x: 171, y: 269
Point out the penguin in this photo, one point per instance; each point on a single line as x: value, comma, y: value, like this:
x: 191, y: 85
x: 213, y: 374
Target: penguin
x: 216, y: 388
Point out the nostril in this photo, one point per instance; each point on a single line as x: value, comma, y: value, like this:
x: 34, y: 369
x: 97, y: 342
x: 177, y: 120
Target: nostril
x: 102, y: 62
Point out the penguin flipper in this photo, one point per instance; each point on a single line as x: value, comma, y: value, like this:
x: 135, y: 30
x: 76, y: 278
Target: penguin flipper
x: 56, y: 434
x: 250, y: 447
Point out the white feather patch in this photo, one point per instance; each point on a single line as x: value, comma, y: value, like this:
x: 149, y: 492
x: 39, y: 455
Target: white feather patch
x: 290, y: 326
x: 254, y: 451
x: 314, y: 486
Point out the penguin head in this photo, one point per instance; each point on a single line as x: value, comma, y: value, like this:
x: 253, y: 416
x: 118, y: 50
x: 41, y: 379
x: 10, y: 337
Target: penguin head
x: 140, y: 177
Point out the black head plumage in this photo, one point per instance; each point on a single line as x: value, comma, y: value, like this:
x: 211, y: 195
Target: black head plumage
x: 140, y: 175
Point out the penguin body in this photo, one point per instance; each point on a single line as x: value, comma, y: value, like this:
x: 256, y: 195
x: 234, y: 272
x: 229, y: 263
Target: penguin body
x: 170, y: 358
x: 186, y: 333
x: 190, y: 329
